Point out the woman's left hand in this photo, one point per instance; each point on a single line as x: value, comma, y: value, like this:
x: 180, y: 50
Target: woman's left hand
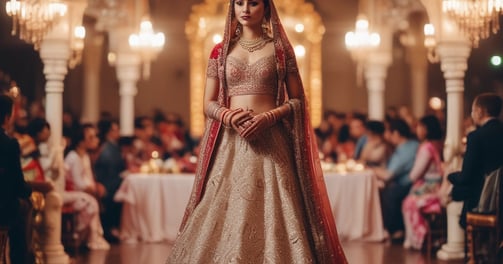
x: 251, y: 128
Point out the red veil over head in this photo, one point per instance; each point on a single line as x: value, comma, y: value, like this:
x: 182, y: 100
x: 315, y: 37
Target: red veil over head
x: 319, y: 216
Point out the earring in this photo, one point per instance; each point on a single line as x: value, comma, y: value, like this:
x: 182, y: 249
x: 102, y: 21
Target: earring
x: 238, y: 31
x: 265, y: 26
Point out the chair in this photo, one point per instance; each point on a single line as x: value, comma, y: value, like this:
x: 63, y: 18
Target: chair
x: 70, y: 237
x: 487, y: 217
x: 437, y: 230
x: 4, y: 237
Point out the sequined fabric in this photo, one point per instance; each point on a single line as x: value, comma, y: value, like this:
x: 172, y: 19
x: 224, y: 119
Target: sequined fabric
x: 256, y: 78
x: 252, y: 210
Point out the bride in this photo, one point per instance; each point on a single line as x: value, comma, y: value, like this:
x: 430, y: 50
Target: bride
x: 259, y: 194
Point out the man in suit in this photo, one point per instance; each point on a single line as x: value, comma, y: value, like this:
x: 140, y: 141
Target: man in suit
x: 15, y: 207
x: 484, y: 152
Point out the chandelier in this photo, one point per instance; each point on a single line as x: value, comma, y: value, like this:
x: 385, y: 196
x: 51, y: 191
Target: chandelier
x: 476, y: 18
x: 148, y: 44
x: 359, y: 43
x: 32, y: 19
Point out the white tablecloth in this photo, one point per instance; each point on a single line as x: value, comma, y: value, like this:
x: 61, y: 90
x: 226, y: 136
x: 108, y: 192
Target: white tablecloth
x: 154, y: 206
x: 356, y: 206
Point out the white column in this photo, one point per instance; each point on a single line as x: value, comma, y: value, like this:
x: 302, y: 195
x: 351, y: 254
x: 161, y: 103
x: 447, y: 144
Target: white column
x: 419, y: 77
x: 128, y: 74
x: 453, y: 57
x: 376, y: 70
x: 55, y: 52
x: 92, y: 72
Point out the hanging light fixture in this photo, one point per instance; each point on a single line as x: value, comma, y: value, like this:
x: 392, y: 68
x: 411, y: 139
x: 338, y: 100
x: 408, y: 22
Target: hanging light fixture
x: 360, y: 42
x: 33, y: 19
x: 148, y: 44
x: 77, y: 46
x: 476, y: 18
x: 430, y: 43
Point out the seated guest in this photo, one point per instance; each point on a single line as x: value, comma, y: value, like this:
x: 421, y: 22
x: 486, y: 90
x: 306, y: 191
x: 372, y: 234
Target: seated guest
x: 427, y: 178
x: 82, y: 191
x: 345, y: 147
x: 49, y: 156
x: 144, y: 143
x: 108, y: 168
x: 484, y: 152
x: 375, y: 152
x: 357, y: 132
x: 15, y: 206
x: 396, y: 176
x: 30, y: 154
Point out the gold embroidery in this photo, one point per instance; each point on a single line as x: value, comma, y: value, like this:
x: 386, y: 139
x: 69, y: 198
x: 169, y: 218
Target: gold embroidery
x: 252, y: 210
x: 212, y: 71
x: 257, y: 78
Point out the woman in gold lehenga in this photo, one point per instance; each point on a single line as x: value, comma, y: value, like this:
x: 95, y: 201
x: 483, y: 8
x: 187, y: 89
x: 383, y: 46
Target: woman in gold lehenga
x: 259, y: 194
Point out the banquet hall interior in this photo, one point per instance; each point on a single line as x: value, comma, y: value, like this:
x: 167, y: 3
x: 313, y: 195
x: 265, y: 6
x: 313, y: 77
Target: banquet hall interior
x: 133, y: 72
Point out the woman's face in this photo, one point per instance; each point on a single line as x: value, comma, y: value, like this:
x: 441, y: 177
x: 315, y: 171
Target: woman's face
x: 249, y: 12
x: 421, y: 131
x: 44, y: 135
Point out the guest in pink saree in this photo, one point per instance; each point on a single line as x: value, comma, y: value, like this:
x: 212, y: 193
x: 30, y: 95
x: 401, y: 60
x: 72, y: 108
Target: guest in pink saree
x: 426, y: 176
x: 259, y: 194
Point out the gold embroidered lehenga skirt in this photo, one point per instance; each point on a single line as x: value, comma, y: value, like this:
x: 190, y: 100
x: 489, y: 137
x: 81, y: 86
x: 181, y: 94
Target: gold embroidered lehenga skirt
x: 251, y: 211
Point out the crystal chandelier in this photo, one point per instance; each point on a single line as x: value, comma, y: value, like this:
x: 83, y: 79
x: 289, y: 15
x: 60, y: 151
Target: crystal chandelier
x: 359, y: 43
x: 476, y: 18
x: 148, y: 44
x: 32, y: 19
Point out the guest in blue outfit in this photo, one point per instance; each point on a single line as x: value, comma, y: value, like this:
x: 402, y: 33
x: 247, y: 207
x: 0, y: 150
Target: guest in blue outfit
x: 108, y: 167
x: 396, y: 176
x: 357, y: 131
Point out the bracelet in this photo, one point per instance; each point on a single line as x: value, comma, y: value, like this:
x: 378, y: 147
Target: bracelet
x: 230, y: 116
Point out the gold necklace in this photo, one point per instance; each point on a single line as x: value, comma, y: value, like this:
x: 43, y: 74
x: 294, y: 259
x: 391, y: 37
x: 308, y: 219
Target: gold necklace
x: 252, y: 45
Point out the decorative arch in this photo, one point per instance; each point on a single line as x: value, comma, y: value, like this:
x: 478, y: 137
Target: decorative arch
x: 207, y: 21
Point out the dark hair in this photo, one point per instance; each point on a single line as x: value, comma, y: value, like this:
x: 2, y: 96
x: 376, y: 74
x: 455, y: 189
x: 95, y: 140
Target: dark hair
x: 6, y: 104
x: 104, y: 126
x: 138, y: 122
x: 126, y: 141
x: 375, y: 127
x: 344, y: 135
x: 36, y: 126
x: 401, y: 127
x: 360, y: 116
x: 433, y: 127
x: 490, y: 102
x: 79, y: 135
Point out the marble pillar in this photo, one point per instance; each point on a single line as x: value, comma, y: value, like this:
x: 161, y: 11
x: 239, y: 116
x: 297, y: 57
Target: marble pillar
x: 376, y: 69
x: 453, y: 58
x: 92, y: 71
x: 54, y: 52
x: 128, y: 73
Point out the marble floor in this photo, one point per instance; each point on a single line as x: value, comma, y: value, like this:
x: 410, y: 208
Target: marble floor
x: 356, y: 252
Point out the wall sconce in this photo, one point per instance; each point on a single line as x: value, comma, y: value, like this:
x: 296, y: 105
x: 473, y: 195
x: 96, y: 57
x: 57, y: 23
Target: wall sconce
x: 77, y: 46
x: 430, y: 43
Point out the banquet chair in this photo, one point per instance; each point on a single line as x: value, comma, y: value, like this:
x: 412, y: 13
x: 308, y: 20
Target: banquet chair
x: 70, y: 237
x: 488, y: 223
x: 437, y: 230
x: 4, y: 237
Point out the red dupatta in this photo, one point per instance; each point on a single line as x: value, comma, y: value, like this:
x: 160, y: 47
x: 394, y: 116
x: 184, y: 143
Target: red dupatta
x: 319, y: 217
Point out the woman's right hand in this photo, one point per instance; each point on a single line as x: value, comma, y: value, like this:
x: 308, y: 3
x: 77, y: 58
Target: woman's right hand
x: 238, y: 117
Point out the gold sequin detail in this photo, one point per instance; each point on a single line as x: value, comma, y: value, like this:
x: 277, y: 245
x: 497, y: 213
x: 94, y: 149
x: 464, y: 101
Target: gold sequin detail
x: 259, y: 77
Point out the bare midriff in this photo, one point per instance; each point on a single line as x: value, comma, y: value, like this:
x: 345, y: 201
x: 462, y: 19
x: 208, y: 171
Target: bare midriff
x: 257, y: 102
